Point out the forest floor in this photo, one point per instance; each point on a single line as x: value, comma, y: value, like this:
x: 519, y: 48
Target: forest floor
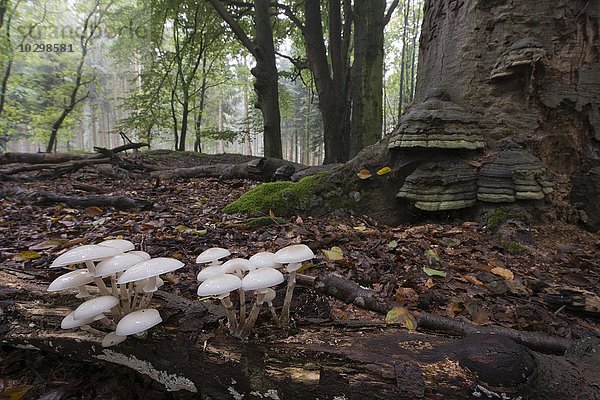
x: 464, y: 270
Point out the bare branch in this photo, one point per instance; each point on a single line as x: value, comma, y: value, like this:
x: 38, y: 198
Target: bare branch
x: 390, y: 11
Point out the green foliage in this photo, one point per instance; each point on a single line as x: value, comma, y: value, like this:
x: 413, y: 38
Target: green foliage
x: 500, y: 216
x: 283, y: 198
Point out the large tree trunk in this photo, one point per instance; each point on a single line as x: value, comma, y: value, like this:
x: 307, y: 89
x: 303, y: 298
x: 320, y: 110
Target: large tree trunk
x: 506, y: 108
x: 367, y: 74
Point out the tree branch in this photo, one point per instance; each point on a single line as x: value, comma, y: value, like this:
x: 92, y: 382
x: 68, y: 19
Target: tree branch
x: 390, y: 12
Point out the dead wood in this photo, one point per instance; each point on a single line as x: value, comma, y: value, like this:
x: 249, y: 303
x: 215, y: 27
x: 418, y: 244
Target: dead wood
x: 352, y: 293
x: 190, y: 353
x: 111, y: 152
x: 261, y: 169
x: 69, y: 165
x: 47, y: 198
x: 41, y: 158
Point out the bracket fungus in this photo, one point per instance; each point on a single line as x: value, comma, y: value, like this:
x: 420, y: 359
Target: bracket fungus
x: 130, y: 273
x: 523, y: 53
x: 438, y: 123
x: 513, y: 174
x: 441, y: 185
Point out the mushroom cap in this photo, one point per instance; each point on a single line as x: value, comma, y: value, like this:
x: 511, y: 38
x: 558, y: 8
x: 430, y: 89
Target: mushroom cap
x: 262, y: 278
x: 212, y: 254
x: 95, y: 306
x: 150, y: 268
x: 69, y: 322
x: 140, y: 253
x: 71, y: 280
x: 90, y: 252
x: 209, y: 272
x: 112, y: 339
x: 219, y: 285
x: 237, y: 264
x: 118, y: 263
x: 138, y: 322
x: 123, y: 245
x: 265, y: 259
x: 295, y: 253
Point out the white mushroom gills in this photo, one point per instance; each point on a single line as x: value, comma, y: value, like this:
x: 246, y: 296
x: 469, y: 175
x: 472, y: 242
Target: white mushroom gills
x: 293, y: 256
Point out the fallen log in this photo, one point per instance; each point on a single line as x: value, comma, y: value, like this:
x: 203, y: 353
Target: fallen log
x: 261, y: 169
x: 69, y: 165
x: 128, y: 146
x: 58, y: 158
x: 189, y: 353
x: 122, y: 203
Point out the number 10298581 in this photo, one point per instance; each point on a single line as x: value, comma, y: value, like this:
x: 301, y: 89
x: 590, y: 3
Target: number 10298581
x: 46, y: 48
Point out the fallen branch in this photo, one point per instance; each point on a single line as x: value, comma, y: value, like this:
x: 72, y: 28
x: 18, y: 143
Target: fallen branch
x: 352, y: 293
x: 41, y: 158
x: 70, y: 165
x: 47, y: 198
x: 111, y: 152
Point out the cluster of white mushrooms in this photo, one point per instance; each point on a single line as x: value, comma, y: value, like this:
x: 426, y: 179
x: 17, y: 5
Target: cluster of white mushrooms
x: 259, y: 274
x: 123, y: 304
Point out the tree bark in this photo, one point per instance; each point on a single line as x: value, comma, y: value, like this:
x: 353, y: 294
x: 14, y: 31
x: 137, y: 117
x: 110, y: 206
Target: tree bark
x: 367, y: 74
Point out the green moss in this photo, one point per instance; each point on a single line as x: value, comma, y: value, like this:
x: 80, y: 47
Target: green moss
x: 283, y: 198
x: 500, y: 216
x: 515, y: 248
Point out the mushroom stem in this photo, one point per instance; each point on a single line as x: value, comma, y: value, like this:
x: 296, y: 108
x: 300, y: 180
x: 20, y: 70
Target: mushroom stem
x: 125, y: 298
x: 97, y: 280
x: 91, y: 330
x: 145, y: 300
x: 134, y: 300
x: 242, y: 305
x: 249, y: 323
x: 285, y: 310
x: 273, y: 312
x: 83, y: 293
x: 228, y: 306
x: 113, y: 286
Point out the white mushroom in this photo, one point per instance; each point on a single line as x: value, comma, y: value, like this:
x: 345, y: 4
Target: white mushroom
x: 95, y: 306
x: 145, y: 256
x: 88, y: 254
x: 114, y: 266
x: 293, y: 256
x: 112, y: 339
x: 74, y: 279
x: 138, y: 322
x: 265, y: 259
x: 209, y: 272
x: 212, y: 256
x: 220, y: 286
x: 120, y: 244
x: 69, y: 322
x: 260, y: 280
x: 238, y: 266
x: 150, y: 270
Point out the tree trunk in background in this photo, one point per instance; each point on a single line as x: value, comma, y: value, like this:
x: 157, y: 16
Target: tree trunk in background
x: 367, y: 74
x: 416, y: 14
x: 332, y: 82
x: 402, y: 60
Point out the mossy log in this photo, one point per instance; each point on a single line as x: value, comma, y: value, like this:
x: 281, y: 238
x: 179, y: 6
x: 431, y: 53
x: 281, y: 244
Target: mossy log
x: 191, y: 355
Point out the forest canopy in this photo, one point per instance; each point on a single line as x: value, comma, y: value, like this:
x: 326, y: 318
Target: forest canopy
x: 179, y: 75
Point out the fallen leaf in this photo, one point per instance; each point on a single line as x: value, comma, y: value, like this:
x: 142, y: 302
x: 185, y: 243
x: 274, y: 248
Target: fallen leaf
x: 48, y: 244
x: 477, y: 313
x: 384, y: 171
x: 15, y: 393
x: 432, y: 256
x: 429, y: 283
x: 434, y: 272
x: 392, y: 244
x: 360, y: 228
x: 503, y: 272
x: 271, y: 213
x: 406, y: 295
x: 93, y: 211
x: 181, y: 228
x: 26, y: 255
x: 473, y: 280
x: 199, y: 232
x: 400, y: 315
x: 364, y: 174
x: 334, y: 254
x: 454, y: 307
x: 304, y: 267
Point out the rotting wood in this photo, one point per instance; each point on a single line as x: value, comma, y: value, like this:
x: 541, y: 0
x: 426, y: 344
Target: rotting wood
x: 48, y: 198
x: 190, y: 353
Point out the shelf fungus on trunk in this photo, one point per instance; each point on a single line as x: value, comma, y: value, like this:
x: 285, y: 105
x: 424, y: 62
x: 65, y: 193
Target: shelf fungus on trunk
x: 441, y: 185
x: 513, y: 174
x: 520, y: 58
x: 439, y: 123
